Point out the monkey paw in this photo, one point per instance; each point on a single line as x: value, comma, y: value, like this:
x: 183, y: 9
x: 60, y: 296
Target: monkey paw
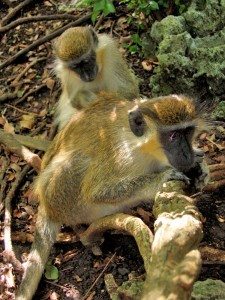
x: 199, y: 175
x: 176, y: 175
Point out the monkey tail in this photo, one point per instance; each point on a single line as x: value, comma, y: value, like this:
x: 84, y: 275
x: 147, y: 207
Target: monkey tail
x: 44, y: 238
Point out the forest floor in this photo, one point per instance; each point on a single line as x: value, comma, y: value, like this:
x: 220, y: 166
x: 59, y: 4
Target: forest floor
x: 29, y: 110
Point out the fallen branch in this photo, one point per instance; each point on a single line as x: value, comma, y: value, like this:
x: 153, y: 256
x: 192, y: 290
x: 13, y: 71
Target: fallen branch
x: 175, y: 261
x: 28, y: 141
x: 36, y: 19
x: 9, y: 254
x: 14, y: 11
x: 43, y: 40
x: 172, y: 261
x: 8, y: 96
x: 133, y: 225
x: 13, y: 145
x: 4, y: 167
x: 217, y: 177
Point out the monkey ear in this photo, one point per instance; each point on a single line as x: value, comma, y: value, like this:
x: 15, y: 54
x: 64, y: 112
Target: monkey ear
x: 94, y: 35
x: 137, y: 122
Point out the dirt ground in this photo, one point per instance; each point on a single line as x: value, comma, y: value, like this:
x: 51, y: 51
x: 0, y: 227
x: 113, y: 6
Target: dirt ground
x: 81, y: 273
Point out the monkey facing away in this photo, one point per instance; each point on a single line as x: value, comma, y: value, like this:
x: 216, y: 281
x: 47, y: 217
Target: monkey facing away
x: 87, y: 63
x: 111, y: 156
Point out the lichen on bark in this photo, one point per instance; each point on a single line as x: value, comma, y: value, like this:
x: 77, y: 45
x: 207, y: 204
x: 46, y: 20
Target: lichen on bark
x: 190, y: 50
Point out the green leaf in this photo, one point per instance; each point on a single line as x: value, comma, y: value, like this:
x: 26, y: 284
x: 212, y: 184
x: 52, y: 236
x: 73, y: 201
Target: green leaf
x: 20, y: 93
x: 94, y: 16
x: 51, y: 272
x: 133, y: 49
x: 153, y: 5
x: 99, y: 5
x: 136, y: 39
x: 109, y: 8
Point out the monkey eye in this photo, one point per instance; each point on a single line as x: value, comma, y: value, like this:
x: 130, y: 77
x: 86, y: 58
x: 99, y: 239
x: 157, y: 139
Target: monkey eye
x: 137, y: 122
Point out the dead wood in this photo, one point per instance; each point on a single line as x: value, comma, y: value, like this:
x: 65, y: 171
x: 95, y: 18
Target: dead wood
x: 171, y: 259
x: 36, y: 19
x: 9, y: 254
x: 44, y: 39
x: 14, y: 11
x: 16, y: 147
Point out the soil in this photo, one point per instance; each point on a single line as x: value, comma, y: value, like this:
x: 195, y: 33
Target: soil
x: 78, y: 267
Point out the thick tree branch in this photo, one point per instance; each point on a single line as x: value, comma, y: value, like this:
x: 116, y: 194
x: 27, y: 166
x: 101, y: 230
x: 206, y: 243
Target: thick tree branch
x: 37, y: 19
x: 173, y: 262
x: 13, y: 145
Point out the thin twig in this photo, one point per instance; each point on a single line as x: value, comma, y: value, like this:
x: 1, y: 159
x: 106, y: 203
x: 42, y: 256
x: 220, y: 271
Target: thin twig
x: 14, y: 11
x: 3, y: 182
x: 9, y: 253
x: 30, y: 65
x: 99, y: 276
x: 99, y: 22
x: 31, y: 92
x: 20, y: 110
x: 43, y: 40
x: 37, y: 19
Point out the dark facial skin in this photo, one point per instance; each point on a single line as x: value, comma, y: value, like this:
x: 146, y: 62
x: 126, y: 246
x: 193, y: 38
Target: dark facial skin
x: 178, y: 148
x: 87, y: 68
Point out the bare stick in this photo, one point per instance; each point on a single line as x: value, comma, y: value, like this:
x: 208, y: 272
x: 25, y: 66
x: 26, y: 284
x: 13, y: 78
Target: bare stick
x: 23, y: 152
x: 30, y: 65
x: 44, y: 39
x: 8, y: 96
x: 31, y: 92
x: 4, y: 167
x: 9, y: 253
x: 37, y: 19
x: 14, y: 11
x: 99, y: 276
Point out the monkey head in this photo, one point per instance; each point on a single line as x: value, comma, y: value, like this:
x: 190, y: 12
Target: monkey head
x: 168, y: 124
x: 76, y: 49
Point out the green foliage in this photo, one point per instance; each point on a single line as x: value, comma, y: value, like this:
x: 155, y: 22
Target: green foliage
x: 98, y: 6
x: 51, y: 272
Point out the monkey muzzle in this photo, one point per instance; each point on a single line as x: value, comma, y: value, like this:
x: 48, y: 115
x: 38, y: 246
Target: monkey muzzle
x: 89, y: 75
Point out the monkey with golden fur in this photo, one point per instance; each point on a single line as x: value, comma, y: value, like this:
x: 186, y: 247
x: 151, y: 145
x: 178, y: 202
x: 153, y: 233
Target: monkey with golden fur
x: 109, y: 157
x: 87, y: 63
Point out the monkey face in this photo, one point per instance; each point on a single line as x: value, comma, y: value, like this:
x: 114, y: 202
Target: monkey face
x: 177, y: 145
x: 86, y: 68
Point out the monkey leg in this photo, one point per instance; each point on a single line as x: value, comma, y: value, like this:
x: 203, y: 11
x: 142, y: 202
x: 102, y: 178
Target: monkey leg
x: 45, y: 236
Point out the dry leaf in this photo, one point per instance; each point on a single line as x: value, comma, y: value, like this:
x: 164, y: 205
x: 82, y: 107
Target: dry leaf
x: 147, y: 65
x: 50, y: 83
x: 78, y: 279
x: 27, y: 121
x: 54, y: 296
x: 2, y: 121
x: 8, y: 127
x: 9, y: 277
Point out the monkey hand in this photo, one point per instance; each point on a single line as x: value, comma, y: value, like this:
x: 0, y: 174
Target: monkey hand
x: 199, y: 175
x: 174, y: 174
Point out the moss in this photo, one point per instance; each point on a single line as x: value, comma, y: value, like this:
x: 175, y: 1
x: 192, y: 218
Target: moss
x: 219, y: 112
x: 191, y: 50
x: 209, y: 290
